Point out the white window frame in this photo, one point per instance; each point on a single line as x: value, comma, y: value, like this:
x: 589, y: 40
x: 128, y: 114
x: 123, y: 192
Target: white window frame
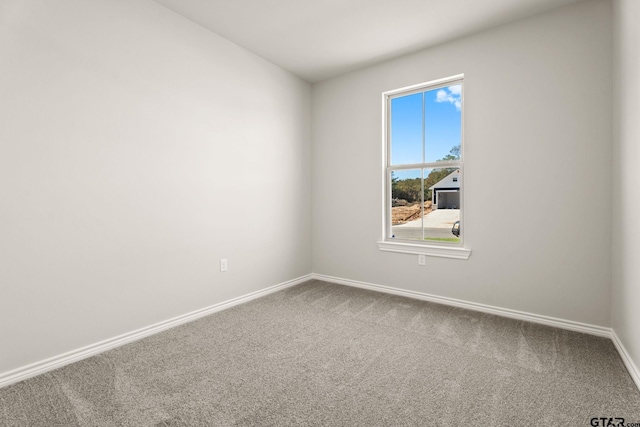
x: 389, y: 244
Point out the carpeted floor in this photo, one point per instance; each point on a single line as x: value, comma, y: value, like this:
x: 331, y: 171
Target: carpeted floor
x: 325, y: 354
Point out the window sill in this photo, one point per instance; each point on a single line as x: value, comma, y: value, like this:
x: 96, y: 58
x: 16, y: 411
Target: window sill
x: 437, y: 251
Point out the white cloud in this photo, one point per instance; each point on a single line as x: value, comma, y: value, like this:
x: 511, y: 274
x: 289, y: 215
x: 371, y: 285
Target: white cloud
x: 451, y: 94
x: 442, y: 96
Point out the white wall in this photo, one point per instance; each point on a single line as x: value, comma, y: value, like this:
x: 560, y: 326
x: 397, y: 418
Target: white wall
x: 136, y: 150
x: 538, y: 129
x: 626, y: 176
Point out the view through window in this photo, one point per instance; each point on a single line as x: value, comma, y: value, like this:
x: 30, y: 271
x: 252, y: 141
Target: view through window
x: 424, y: 163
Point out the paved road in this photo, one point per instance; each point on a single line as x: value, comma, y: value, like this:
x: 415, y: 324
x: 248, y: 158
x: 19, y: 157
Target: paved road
x: 441, y: 218
x: 436, y: 224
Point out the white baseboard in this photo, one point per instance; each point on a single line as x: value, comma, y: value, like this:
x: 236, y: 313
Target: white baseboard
x: 504, y: 312
x: 59, y: 361
x: 626, y: 359
x: 600, y: 331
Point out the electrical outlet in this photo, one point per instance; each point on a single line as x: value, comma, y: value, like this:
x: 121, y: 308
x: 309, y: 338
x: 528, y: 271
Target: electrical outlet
x: 223, y: 264
x: 422, y: 260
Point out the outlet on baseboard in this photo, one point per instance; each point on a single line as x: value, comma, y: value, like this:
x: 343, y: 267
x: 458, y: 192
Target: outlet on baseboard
x: 422, y: 260
x: 223, y: 264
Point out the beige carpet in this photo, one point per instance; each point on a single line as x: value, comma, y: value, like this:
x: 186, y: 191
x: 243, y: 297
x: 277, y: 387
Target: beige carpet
x: 324, y: 354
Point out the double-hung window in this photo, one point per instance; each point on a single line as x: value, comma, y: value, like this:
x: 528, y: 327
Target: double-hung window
x: 423, y: 169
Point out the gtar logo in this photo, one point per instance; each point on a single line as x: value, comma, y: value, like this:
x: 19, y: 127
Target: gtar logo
x: 607, y: 422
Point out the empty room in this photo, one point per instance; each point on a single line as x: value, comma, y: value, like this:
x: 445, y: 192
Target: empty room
x: 336, y: 213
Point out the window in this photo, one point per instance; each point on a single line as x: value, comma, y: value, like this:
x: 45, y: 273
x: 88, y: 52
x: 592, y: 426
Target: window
x: 423, y: 170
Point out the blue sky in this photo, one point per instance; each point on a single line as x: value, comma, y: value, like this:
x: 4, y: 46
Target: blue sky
x: 442, y: 118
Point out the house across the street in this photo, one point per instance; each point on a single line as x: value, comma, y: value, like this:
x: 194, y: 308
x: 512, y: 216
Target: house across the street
x: 446, y: 192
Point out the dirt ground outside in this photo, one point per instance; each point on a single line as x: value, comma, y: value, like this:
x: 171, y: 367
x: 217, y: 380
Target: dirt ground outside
x: 403, y: 214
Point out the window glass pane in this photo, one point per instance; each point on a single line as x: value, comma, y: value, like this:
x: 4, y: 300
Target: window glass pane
x: 406, y: 129
x: 443, y: 123
x: 425, y: 128
x: 442, y: 205
x: 406, y: 204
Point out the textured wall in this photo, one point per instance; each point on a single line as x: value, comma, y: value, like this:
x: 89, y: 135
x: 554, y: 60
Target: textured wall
x: 136, y: 150
x: 538, y: 138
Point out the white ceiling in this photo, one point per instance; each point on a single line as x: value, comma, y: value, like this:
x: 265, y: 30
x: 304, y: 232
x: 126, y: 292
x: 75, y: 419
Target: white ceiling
x: 319, y: 39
